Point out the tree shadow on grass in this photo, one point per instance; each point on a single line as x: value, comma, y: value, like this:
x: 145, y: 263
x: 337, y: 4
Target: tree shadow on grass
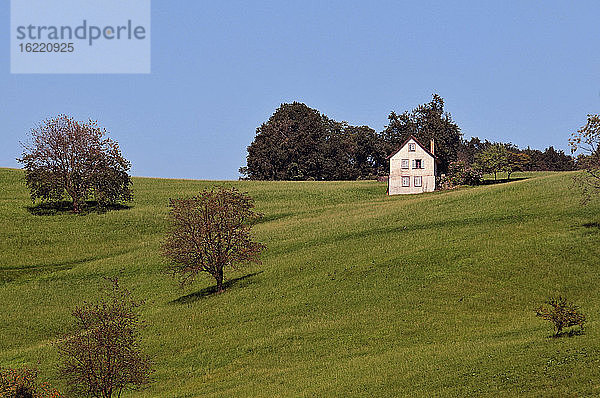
x: 502, y: 180
x: 592, y: 225
x: 211, y: 290
x: 567, y: 333
x: 12, y: 273
x: 66, y: 207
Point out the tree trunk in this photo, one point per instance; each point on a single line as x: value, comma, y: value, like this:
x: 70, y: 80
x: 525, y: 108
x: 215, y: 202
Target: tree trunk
x: 219, y: 278
x: 494, y: 175
x: 75, y: 198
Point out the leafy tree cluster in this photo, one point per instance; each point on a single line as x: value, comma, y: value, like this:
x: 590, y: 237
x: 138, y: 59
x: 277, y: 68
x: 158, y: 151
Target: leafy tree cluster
x: 300, y: 143
x: 548, y: 160
x: 496, y: 158
x: 460, y: 173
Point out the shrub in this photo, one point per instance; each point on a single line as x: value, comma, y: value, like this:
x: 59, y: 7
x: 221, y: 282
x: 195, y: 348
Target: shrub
x: 23, y: 383
x: 460, y: 173
x: 103, y: 357
x: 561, y: 313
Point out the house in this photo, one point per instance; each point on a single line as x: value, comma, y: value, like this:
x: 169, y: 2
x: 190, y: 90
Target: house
x: 412, y: 168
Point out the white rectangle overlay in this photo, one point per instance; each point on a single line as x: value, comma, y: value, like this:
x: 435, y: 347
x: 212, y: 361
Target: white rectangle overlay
x: 80, y: 36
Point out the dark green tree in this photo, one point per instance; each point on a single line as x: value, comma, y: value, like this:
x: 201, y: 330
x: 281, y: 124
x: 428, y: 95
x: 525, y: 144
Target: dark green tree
x: 370, y: 155
x: 426, y: 122
x: 557, y: 160
x: 289, y: 146
x: 467, y: 150
x: 300, y: 143
x: 353, y: 153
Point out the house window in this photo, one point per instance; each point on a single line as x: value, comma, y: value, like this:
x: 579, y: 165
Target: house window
x: 417, y: 163
x: 412, y: 147
x: 418, y: 181
x: 406, y: 181
x: 404, y: 163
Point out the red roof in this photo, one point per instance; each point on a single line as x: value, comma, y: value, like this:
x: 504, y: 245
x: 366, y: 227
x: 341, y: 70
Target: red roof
x: 412, y: 137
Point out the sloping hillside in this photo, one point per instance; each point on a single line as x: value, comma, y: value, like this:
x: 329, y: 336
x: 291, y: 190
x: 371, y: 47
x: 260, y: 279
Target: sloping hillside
x: 359, y: 294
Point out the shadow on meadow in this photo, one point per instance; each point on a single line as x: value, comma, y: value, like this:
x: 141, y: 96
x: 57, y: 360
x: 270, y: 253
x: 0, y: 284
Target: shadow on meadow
x: 502, y: 180
x: 568, y: 333
x: 211, y: 290
x: 592, y: 225
x: 66, y: 207
x: 12, y: 273
x: 271, y: 217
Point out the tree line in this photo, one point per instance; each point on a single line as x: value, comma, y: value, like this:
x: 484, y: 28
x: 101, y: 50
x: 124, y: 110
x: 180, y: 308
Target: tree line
x: 536, y: 160
x: 301, y: 143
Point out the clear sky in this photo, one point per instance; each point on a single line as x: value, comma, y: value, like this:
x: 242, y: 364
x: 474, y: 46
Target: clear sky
x: 527, y: 72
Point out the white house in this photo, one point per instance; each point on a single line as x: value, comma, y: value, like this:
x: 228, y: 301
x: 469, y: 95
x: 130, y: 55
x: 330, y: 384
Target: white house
x: 412, y: 168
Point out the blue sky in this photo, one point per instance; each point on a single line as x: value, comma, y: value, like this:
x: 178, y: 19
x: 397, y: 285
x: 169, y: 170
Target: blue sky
x: 525, y: 72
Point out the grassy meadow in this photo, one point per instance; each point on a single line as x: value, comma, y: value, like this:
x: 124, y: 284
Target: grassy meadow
x: 359, y: 294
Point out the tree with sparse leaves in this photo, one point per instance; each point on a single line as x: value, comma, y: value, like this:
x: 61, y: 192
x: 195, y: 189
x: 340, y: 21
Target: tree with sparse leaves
x: 210, y: 232
x: 587, y: 139
x: 562, y: 314
x: 73, y: 158
x: 103, y: 357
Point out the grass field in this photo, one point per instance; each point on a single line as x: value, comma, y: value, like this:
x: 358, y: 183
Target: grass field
x: 359, y: 294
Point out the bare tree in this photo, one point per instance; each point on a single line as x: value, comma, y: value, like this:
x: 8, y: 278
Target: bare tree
x: 103, y: 357
x: 210, y: 232
x: 72, y: 157
x: 587, y: 139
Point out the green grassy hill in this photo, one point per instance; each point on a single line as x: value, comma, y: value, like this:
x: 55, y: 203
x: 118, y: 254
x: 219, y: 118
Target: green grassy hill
x: 359, y: 294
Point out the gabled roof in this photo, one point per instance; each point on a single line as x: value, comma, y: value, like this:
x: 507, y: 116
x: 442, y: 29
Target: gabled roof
x: 412, y: 137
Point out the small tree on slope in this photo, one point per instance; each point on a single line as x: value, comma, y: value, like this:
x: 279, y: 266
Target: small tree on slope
x: 103, y: 357
x: 209, y: 232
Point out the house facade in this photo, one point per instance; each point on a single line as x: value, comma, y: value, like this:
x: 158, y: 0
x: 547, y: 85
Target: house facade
x: 413, y: 168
